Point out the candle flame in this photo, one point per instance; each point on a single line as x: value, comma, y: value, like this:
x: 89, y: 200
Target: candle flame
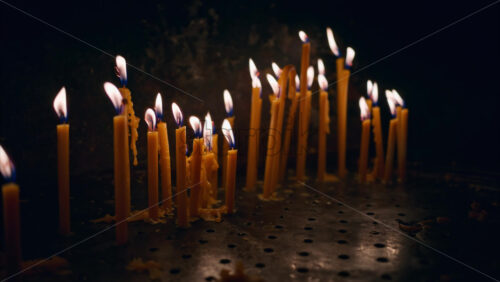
x: 363, y: 107
x: 6, y: 166
x: 150, y: 118
x: 322, y: 82
x: 228, y: 133
x: 303, y: 36
x: 254, y: 72
x: 115, y: 96
x: 297, y: 83
x: 332, y: 43
x: 390, y: 100
x: 274, y: 84
x: 310, y: 76
x: 374, y: 95
x: 196, y: 126
x: 349, y: 57
x: 60, y: 105
x: 397, y: 99
x: 159, y: 107
x: 121, y: 69
x: 277, y: 70
x: 321, y: 67
x: 228, y: 103
x: 256, y: 83
x: 207, y: 132
x: 369, y: 88
x: 176, y: 111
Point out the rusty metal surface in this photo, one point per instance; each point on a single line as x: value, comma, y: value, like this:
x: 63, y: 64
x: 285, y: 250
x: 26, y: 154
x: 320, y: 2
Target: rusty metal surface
x: 304, y: 237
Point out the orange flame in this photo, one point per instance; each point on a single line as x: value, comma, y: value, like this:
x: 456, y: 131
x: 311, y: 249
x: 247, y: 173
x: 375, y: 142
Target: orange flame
x: 60, y: 105
x: 228, y: 133
x: 150, y: 119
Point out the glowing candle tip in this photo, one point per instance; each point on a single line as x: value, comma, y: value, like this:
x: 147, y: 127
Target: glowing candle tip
x: 276, y: 69
x: 321, y: 67
x: 115, y: 96
x: 363, y: 107
x: 159, y: 107
x: 207, y: 132
x: 349, y: 57
x: 254, y: 72
x: 150, y: 118
x: 322, y: 82
x: 274, y: 84
x: 228, y: 103
x: 7, y: 168
x: 177, y: 113
x: 332, y: 43
x: 121, y: 69
x: 228, y: 133
x: 374, y: 95
x: 310, y: 76
x: 196, y: 126
x: 303, y: 36
x: 60, y: 105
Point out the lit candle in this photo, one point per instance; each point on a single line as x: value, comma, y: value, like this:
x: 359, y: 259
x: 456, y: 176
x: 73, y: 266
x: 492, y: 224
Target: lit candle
x: 121, y: 166
x: 302, y: 132
x: 369, y: 89
x: 254, y: 130
x: 294, y: 95
x: 378, y: 168
x: 165, y: 166
x: 11, y: 220
x: 365, y: 139
x: 63, y: 162
x: 324, y: 120
x: 391, y: 140
x: 209, y: 162
x: 402, y: 114
x: 133, y: 121
x: 196, y: 156
x: 271, y: 140
x: 228, y: 104
x: 230, y: 179
x: 215, y: 150
x: 180, y: 163
x: 150, y: 118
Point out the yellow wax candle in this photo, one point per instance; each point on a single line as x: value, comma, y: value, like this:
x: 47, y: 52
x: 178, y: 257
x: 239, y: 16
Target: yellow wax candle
x: 121, y: 164
x: 402, y: 143
x: 378, y: 170
x: 301, y: 147
x: 11, y: 217
x: 324, y: 121
x: 211, y: 166
x: 214, y: 177
x: 230, y: 181
x: 294, y: 96
x: 63, y: 162
x: 391, y: 140
x: 228, y: 104
x: 253, y: 137
x: 196, y: 156
x: 365, y: 139
x: 180, y: 166
x: 165, y: 166
x: 153, y: 209
x: 271, y: 147
x: 133, y: 121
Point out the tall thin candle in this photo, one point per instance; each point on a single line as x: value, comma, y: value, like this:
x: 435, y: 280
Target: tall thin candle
x: 365, y: 139
x: 231, y: 162
x: 121, y: 163
x: 391, y: 140
x: 165, y: 165
x: 150, y: 118
x: 302, y: 132
x: 378, y: 168
x: 228, y: 104
x: 180, y: 163
x: 63, y: 162
x: 324, y: 120
x: 254, y: 130
x: 11, y: 220
x: 196, y: 156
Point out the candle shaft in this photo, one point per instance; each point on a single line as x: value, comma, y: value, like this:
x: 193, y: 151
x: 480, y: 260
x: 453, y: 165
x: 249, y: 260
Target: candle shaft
x: 288, y: 136
x: 402, y: 143
x: 271, y: 149
x: 181, y: 193
x: 225, y: 148
x: 342, y: 83
x: 378, y: 170
x: 253, y: 140
x: 301, y: 147
x: 214, y: 177
x: 11, y: 221
x: 322, y: 131
x: 231, y: 180
x: 363, y: 155
x: 122, y: 182
x: 153, y: 174
x: 63, y: 178
x: 391, y: 142
x: 165, y: 166
x: 196, y: 156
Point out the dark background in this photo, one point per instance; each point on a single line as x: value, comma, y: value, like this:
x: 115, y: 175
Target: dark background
x: 449, y: 81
